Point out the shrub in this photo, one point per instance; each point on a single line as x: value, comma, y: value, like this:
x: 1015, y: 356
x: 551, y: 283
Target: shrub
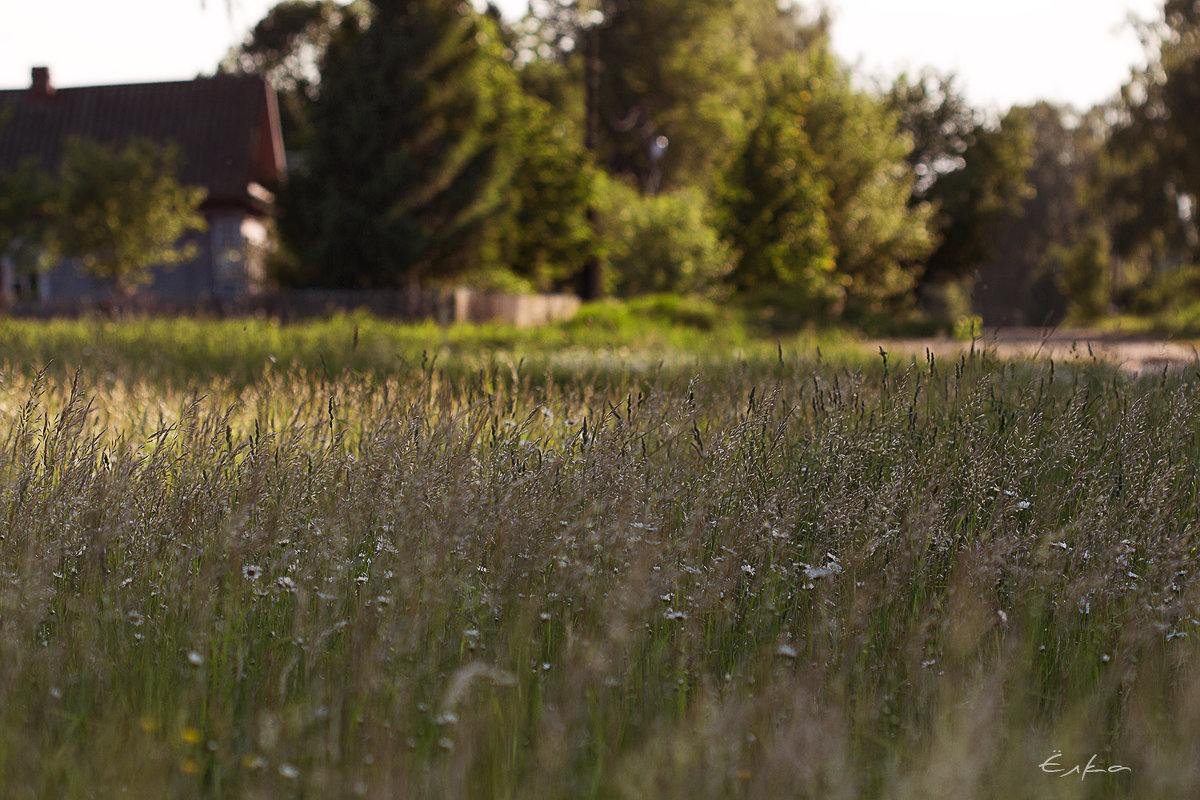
x: 662, y: 243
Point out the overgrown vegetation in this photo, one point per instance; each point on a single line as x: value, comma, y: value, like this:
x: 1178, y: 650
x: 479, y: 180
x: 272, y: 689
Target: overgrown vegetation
x: 807, y: 192
x: 762, y: 573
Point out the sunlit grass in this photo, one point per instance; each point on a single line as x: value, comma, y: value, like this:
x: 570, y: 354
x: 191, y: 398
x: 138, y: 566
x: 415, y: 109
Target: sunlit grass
x: 587, y: 571
x: 604, y: 338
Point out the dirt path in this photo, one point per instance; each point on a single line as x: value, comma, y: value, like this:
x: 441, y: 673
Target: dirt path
x: 1137, y: 355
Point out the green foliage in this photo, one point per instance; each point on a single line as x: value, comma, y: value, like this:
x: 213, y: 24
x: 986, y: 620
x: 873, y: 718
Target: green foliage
x: 975, y: 202
x: 683, y: 69
x: 404, y: 170
x: 817, y: 201
x: 1180, y: 62
x: 1084, y: 271
x: 27, y: 217
x: 1165, y: 292
x: 1140, y: 196
x: 122, y: 212
x: 774, y: 208
x: 658, y: 328
x: 968, y: 328
x: 443, y: 148
x: 676, y: 68
x: 681, y: 311
x: 1151, y: 169
x: 1022, y: 280
x: 940, y: 122
x: 661, y: 243
x: 117, y: 212
x: 542, y: 234
x: 861, y: 155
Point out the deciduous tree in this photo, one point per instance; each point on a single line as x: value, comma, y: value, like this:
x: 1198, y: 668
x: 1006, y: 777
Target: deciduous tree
x: 120, y: 212
x: 116, y: 211
x: 974, y: 203
x: 1152, y: 168
x: 1023, y: 280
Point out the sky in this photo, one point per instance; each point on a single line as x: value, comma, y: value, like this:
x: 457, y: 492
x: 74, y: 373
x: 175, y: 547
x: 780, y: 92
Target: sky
x: 1005, y: 52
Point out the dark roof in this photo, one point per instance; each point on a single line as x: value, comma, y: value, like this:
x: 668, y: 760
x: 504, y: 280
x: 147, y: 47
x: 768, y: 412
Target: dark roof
x: 226, y: 127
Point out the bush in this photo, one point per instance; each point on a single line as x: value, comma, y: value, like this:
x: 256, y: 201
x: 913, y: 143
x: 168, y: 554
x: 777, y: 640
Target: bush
x: 1083, y: 271
x: 1166, y: 290
x: 968, y: 328
x: 671, y: 309
x: 663, y: 243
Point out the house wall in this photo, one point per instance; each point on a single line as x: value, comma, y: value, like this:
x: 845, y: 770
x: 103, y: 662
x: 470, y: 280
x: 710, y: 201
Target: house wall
x: 186, y: 281
x: 239, y: 244
x: 229, y: 262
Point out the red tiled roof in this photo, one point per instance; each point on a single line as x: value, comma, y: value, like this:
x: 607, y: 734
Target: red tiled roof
x: 226, y: 127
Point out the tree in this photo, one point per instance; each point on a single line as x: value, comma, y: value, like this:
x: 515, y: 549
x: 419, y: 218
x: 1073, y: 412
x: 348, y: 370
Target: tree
x: 121, y: 212
x: 26, y: 219
x: 935, y: 115
x: 862, y: 152
x: 972, y: 172
x: 974, y: 203
x: 1180, y: 64
x: 775, y: 207
x: 286, y: 47
x: 1023, y: 280
x: 403, y: 171
x: 662, y: 243
x: 1151, y: 167
x: 1082, y: 274
x: 818, y: 198
x: 541, y: 234
x: 117, y: 212
x: 680, y: 69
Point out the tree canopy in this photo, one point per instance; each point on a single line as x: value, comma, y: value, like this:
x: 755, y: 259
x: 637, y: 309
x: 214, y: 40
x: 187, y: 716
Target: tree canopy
x: 439, y: 144
x: 403, y: 170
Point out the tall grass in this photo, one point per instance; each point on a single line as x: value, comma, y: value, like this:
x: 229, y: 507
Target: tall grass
x: 603, y: 337
x: 733, y: 577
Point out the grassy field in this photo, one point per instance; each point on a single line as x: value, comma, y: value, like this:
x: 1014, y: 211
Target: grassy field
x: 610, y: 559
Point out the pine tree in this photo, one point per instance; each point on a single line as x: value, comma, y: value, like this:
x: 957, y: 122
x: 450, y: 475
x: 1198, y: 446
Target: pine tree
x: 543, y: 236
x: 863, y: 157
x: 775, y: 208
x: 403, y: 169
x: 818, y: 199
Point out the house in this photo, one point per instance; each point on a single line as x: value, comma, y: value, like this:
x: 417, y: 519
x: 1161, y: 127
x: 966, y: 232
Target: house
x: 228, y: 134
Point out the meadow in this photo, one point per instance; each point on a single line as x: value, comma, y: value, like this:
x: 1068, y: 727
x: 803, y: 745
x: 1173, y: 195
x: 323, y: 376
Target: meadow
x: 615, y: 559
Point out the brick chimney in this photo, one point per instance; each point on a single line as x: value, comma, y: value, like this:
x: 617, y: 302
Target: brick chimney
x: 41, y: 89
